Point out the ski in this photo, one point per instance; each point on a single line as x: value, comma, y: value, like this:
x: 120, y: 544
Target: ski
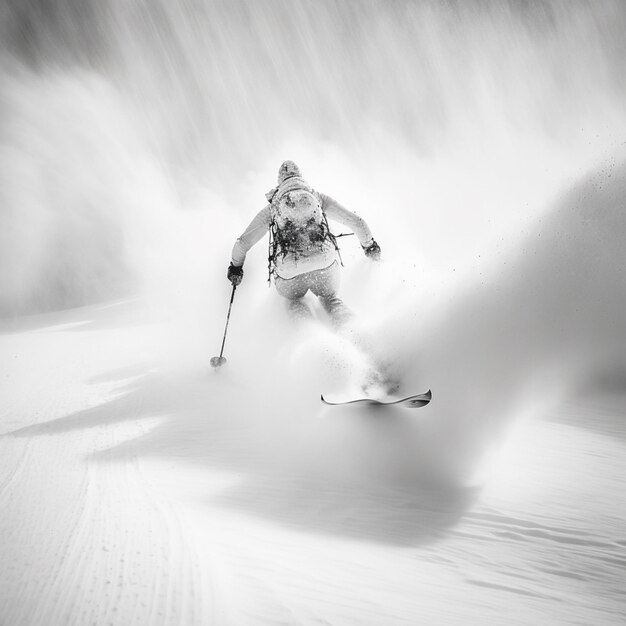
x: 410, y: 402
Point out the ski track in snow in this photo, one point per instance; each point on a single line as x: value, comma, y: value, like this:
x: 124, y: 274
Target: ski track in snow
x: 122, y: 504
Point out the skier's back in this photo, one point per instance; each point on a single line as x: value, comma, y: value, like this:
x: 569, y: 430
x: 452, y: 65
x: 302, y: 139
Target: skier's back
x: 303, y: 252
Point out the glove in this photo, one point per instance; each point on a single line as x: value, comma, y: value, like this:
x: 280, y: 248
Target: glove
x: 235, y: 274
x: 372, y: 251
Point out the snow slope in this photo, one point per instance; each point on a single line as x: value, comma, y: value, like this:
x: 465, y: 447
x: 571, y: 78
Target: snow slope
x: 483, y: 143
x: 133, y: 492
x: 140, y: 486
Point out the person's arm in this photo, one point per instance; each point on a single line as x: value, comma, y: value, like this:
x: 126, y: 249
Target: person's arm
x: 253, y: 234
x: 338, y: 213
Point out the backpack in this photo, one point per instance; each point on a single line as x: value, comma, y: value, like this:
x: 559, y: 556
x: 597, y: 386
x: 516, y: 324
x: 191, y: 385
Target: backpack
x: 298, y: 225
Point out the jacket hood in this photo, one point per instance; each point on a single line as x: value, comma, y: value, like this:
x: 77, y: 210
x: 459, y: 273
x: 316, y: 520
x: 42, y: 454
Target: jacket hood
x: 289, y: 179
x: 287, y: 170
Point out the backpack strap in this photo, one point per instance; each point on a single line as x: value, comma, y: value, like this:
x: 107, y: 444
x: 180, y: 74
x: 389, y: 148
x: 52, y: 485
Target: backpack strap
x: 332, y: 237
x: 272, y: 249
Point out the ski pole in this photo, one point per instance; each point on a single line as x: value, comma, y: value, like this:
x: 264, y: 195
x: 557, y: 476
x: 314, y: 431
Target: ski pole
x: 218, y: 361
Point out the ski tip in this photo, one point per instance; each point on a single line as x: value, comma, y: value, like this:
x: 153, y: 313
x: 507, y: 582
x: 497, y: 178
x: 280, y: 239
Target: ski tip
x: 420, y: 400
x: 328, y: 402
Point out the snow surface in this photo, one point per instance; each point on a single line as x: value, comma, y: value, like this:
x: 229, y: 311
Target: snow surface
x: 139, y: 487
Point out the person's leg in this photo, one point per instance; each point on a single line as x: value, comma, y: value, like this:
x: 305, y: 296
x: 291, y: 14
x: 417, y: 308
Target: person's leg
x: 294, y: 289
x: 379, y: 380
x: 325, y: 284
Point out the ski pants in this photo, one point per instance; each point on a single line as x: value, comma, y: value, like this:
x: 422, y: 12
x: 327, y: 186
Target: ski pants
x: 323, y: 283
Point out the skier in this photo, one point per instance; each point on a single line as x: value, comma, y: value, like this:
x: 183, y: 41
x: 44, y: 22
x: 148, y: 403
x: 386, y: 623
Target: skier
x: 303, y: 253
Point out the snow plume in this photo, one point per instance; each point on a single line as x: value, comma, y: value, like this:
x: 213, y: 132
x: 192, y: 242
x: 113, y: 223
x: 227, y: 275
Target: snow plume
x: 422, y: 116
x: 79, y: 198
x: 549, y: 322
